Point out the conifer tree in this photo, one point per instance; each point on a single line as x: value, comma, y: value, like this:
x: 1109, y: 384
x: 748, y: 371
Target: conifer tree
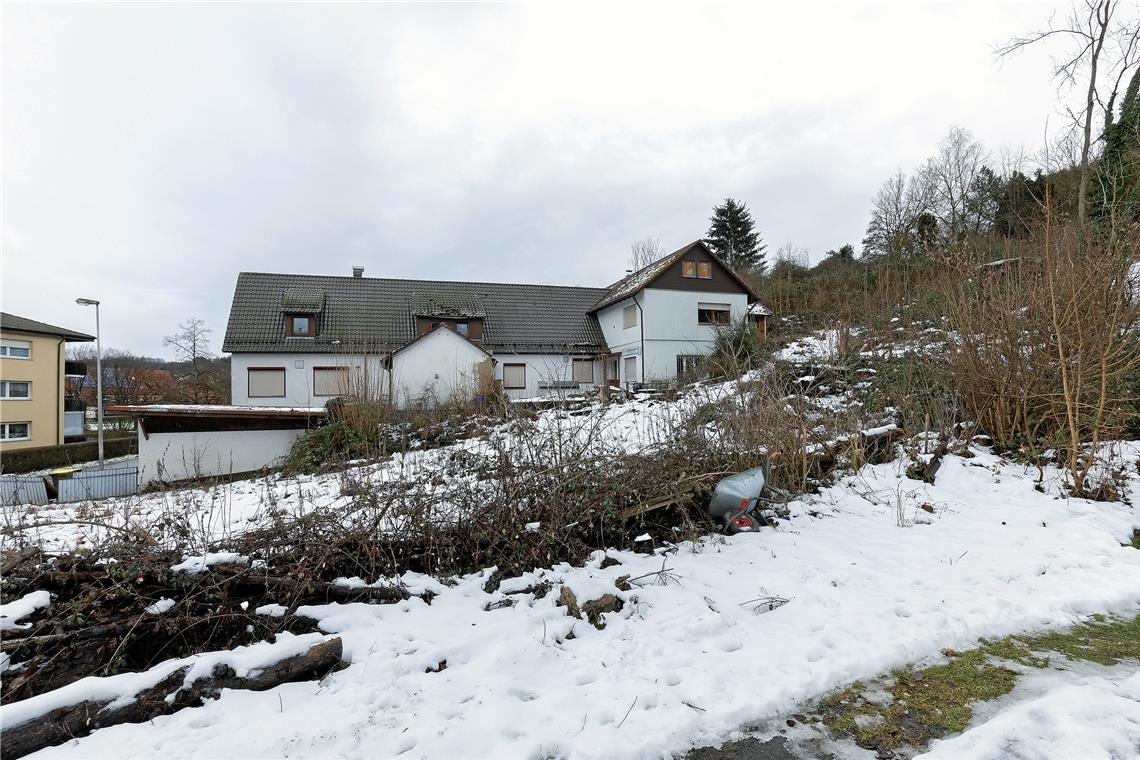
x: 1116, y: 184
x: 733, y: 237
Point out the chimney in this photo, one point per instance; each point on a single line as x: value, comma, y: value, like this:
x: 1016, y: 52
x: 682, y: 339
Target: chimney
x: 358, y: 271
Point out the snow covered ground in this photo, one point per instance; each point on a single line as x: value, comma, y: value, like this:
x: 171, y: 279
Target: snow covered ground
x: 1093, y: 715
x: 879, y: 571
x: 215, y: 513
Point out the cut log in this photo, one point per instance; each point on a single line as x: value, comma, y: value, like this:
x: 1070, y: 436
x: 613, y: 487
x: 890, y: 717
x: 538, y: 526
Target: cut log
x: 935, y: 463
x: 73, y: 721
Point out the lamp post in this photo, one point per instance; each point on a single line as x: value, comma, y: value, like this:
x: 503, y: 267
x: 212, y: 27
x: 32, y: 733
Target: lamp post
x: 98, y: 373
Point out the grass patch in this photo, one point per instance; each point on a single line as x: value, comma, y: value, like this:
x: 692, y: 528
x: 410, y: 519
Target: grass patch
x: 924, y: 704
x: 914, y: 706
x: 1106, y: 642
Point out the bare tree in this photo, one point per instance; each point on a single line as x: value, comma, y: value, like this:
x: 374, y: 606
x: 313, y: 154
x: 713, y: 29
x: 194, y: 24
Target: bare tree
x: 644, y: 252
x: 952, y: 175
x: 895, y: 211
x: 198, y: 376
x: 791, y: 253
x: 1103, y: 48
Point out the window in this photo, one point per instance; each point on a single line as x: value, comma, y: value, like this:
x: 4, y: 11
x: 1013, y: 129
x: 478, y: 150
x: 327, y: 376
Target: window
x: 583, y: 370
x: 629, y: 316
x: 696, y: 269
x: 713, y: 314
x: 461, y: 328
x: 15, y: 389
x: 630, y: 369
x: 514, y: 376
x: 16, y: 349
x: 301, y: 326
x: 330, y: 381
x: 266, y: 382
x: 687, y: 364
x: 15, y: 431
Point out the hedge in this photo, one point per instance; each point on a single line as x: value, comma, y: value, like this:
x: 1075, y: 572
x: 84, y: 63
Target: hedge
x: 44, y: 457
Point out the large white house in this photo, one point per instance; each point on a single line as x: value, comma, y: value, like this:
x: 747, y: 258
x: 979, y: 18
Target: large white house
x: 300, y: 340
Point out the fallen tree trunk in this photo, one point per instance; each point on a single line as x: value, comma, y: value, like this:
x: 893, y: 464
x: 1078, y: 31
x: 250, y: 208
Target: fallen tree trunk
x: 80, y: 719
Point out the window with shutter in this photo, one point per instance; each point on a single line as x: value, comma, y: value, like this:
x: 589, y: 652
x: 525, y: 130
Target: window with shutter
x: 266, y: 382
x: 514, y: 376
x: 630, y: 369
x: 330, y: 381
x: 629, y: 316
x: 583, y: 370
x: 714, y: 313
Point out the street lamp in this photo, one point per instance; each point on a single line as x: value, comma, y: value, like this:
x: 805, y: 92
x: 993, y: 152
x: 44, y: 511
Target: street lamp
x: 98, y: 373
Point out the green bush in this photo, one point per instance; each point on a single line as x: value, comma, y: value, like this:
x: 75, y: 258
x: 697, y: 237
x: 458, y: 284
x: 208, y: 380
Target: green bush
x: 44, y: 457
x: 326, y: 446
x: 736, y: 349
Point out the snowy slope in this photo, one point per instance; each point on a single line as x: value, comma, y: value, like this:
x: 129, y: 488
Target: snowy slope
x: 689, y: 662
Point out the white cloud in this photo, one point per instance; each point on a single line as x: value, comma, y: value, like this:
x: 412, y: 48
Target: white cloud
x: 150, y: 152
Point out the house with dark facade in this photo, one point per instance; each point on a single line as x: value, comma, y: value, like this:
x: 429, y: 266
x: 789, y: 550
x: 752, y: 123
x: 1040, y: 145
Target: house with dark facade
x: 300, y: 340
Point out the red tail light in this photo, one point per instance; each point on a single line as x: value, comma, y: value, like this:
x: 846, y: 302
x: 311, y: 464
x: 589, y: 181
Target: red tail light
x: 743, y: 522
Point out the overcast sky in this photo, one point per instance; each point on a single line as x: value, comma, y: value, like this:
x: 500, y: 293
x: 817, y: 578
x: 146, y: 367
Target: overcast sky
x: 153, y: 151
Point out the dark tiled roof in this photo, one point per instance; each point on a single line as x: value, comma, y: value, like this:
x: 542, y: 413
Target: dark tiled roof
x: 378, y: 314
x: 23, y: 324
x: 644, y: 277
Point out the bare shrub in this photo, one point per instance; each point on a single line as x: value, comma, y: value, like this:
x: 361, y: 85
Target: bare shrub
x: 1045, y: 346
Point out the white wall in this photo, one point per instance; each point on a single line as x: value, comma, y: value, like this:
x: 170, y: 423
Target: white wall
x: 670, y: 328
x: 545, y: 368
x: 434, y: 368
x: 179, y: 456
x: 611, y: 321
x: 299, y: 376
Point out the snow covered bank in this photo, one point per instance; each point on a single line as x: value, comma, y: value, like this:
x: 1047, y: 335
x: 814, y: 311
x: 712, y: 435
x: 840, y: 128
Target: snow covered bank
x: 691, y: 657
x: 1087, y: 716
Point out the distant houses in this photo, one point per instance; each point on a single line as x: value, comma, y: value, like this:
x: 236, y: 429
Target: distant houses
x: 300, y: 340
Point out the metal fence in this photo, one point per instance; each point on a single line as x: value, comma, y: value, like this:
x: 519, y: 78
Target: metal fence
x: 22, y: 489
x: 98, y: 484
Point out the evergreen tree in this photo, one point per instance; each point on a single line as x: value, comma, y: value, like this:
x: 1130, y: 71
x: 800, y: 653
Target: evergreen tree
x: 844, y: 252
x: 1116, y: 183
x: 733, y: 237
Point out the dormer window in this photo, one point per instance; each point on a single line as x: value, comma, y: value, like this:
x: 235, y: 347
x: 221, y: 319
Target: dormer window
x: 300, y: 325
x: 469, y: 327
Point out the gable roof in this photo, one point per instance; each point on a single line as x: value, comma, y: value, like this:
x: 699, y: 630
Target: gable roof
x: 378, y: 314
x: 23, y: 324
x: 644, y: 277
x: 445, y: 328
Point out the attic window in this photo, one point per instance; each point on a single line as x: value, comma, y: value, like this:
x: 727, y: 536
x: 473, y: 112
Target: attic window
x: 300, y: 325
x: 695, y: 269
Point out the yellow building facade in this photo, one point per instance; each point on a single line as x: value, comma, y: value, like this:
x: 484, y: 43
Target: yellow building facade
x: 32, y: 386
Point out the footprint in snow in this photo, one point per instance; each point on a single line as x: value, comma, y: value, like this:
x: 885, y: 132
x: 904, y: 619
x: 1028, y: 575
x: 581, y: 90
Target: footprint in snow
x: 585, y: 678
x: 672, y: 679
x: 649, y: 702
x: 406, y: 745
x: 523, y: 695
x: 730, y: 645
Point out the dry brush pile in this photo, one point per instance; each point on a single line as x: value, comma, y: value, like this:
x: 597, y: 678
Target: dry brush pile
x: 537, y: 492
